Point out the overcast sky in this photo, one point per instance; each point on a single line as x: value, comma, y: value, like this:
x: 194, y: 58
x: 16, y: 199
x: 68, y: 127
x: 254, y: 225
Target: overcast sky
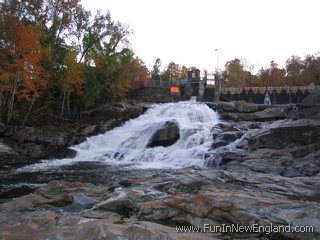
x: 188, y: 31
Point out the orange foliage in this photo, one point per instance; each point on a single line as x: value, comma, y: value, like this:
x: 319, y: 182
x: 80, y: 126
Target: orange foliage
x: 23, y: 67
x: 72, y: 79
x: 140, y: 73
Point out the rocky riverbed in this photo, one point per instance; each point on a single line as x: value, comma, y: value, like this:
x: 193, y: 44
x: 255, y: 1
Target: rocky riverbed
x: 263, y: 172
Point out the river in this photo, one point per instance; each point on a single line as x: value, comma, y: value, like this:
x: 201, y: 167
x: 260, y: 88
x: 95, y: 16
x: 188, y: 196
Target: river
x: 122, y: 152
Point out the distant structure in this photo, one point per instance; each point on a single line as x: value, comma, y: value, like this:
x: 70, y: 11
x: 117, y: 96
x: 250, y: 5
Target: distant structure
x: 193, y: 75
x: 276, y: 95
x: 192, y: 81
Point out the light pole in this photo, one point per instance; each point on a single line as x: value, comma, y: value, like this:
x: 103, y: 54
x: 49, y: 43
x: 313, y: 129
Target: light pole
x: 217, y: 76
x: 217, y: 52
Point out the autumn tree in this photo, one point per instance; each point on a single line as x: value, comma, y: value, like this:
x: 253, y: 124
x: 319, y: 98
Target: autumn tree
x: 21, y: 67
x: 72, y: 80
x: 277, y: 75
x: 183, y: 74
x: 140, y: 73
x: 235, y: 73
x: 311, y: 73
x: 171, y: 72
x: 156, y: 72
x: 294, y: 70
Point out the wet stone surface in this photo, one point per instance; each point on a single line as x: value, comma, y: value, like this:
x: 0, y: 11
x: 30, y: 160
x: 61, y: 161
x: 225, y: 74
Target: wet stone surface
x: 263, y: 173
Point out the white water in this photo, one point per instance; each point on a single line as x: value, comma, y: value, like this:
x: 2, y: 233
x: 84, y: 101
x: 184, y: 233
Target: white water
x: 126, y: 145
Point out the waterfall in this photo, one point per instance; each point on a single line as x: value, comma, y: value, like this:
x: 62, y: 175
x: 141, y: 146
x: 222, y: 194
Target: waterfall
x: 126, y: 145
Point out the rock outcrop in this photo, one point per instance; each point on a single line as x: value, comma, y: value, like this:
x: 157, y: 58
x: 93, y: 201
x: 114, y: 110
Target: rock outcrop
x: 243, y: 111
x: 311, y: 101
x: 262, y: 174
x: 166, y: 135
x: 31, y: 144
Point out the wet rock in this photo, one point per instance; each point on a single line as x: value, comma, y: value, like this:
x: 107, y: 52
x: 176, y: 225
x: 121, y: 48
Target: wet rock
x: 3, y: 128
x: 80, y: 202
x: 39, y: 151
x: 245, y: 107
x: 273, y: 179
x: 265, y: 115
x: 219, y: 196
x: 109, y: 228
x: 223, y: 139
x: 9, y: 131
x: 153, y: 210
x: 240, y: 107
x: 249, y: 125
x: 227, y: 127
x: 24, y: 203
x: 118, y: 201
x: 8, y: 156
x: 226, y: 106
x: 311, y: 101
x: 120, y: 111
x: 48, y: 135
x: 222, y: 157
x: 165, y: 136
x: 282, y: 133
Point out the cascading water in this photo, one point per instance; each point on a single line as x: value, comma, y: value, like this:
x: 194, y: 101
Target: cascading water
x: 127, y: 144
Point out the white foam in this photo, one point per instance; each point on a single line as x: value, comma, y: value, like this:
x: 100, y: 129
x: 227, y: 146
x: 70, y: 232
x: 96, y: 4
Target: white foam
x: 127, y: 144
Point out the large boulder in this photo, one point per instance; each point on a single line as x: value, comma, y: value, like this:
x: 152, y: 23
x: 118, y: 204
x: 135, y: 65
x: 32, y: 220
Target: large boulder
x: 309, y: 107
x: 42, y: 151
x: 3, y: 128
x: 284, y: 133
x: 165, y: 136
x: 311, y: 101
x: 226, y: 106
x: 265, y: 115
x: 245, y: 107
x: 8, y: 155
x: 46, y: 135
x: 240, y: 107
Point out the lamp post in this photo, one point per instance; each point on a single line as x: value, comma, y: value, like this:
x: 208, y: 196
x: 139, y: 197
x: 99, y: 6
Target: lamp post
x: 217, y: 52
x: 217, y: 78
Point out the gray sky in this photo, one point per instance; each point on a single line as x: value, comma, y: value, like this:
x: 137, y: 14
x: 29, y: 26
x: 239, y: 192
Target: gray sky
x: 188, y: 32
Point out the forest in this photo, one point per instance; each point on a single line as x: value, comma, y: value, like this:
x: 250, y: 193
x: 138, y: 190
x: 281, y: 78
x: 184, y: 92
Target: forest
x: 238, y: 73
x: 58, y: 58
x: 297, y: 72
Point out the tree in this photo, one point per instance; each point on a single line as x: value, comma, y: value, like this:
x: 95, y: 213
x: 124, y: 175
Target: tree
x: 140, y: 73
x: 312, y: 70
x: 21, y: 57
x: 184, y: 71
x: 72, y: 80
x: 235, y: 73
x: 276, y: 75
x: 172, y: 72
x: 155, y: 72
x: 175, y: 71
x: 294, y: 69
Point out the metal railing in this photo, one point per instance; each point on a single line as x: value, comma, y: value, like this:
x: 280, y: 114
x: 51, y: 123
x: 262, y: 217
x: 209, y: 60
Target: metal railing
x: 162, y: 83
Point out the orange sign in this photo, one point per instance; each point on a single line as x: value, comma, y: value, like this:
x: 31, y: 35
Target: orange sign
x: 174, y: 90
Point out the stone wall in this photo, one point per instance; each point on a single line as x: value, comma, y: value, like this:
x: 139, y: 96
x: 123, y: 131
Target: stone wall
x: 278, y: 95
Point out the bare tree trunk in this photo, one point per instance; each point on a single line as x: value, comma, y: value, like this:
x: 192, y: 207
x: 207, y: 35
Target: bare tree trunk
x: 31, y: 105
x: 11, y: 101
x: 81, y: 108
x: 68, y: 105
x: 63, y: 103
x: 1, y: 95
